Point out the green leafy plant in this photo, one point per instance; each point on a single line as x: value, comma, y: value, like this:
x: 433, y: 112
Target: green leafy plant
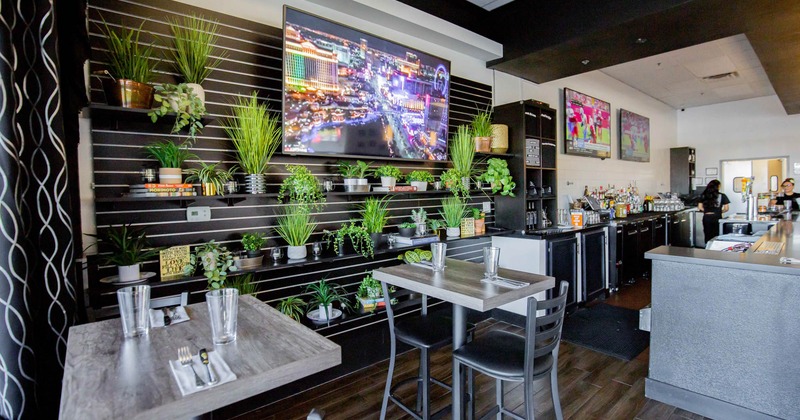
x: 295, y: 225
x: 419, y: 216
x: 358, y: 236
x: 420, y: 176
x: 415, y: 255
x: 210, y: 174
x: 127, y: 245
x: 216, y: 262
x: 375, y: 213
x: 169, y: 154
x: 407, y: 225
x: 324, y: 294
x: 354, y: 170
x: 462, y: 151
x: 477, y: 213
x: 301, y: 187
x: 498, y: 175
x: 181, y: 100
x: 255, y: 133
x: 390, y: 171
x: 244, y: 284
x: 292, y: 307
x: 253, y: 241
x: 451, y: 178
x: 482, y: 123
x: 194, y: 40
x: 369, y: 288
x: 127, y: 57
x: 453, y: 210
x: 435, y: 224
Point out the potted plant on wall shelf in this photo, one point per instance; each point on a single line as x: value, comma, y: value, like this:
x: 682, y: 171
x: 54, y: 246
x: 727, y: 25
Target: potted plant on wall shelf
x: 482, y: 131
x: 252, y: 242
x: 453, y: 210
x: 407, y: 229
x: 355, y: 176
x: 130, y: 68
x: 127, y: 247
x: 181, y: 100
x: 499, y: 177
x: 370, y: 294
x: 292, y: 307
x: 420, y: 218
x: 462, y: 153
x: 389, y: 175
x: 212, y: 179
x: 453, y: 180
x: 420, y: 179
x: 193, y: 44
x: 171, y: 157
x: 244, y: 284
x: 302, y: 188
x: 480, y: 220
x: 216, y: 262
x: 374, y: 214
x: 295, y: 226
x: 358, y: 236
x: 256, y: 135
x: 323, y: 296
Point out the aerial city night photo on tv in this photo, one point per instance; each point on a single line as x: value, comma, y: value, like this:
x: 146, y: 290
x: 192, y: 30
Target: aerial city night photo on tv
x: 351, y: 93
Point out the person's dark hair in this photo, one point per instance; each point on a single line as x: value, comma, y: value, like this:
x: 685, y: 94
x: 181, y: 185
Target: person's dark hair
x: 711, y: 194
x: 789, y: 180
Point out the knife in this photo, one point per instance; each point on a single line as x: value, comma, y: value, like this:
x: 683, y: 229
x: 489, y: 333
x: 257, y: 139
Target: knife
x: 167, y: 316
x: 206, y: 362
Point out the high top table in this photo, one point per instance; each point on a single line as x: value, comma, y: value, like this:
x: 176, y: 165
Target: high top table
x: 107, y: 376
x: 460, y: 284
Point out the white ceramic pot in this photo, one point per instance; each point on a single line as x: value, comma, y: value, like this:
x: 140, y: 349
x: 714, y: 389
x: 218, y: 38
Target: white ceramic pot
x: 388, y: 181
x: 421, y: 185
x: 453, y: 232
x: 296, y: 252
x: 199, y: 91
x: 128, y: 272
x: 170, y: 176
x: 356, y: 185
x: 323, y: 315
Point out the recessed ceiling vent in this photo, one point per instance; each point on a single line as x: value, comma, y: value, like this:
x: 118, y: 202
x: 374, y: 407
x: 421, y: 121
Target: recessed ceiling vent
x: 721, y: 76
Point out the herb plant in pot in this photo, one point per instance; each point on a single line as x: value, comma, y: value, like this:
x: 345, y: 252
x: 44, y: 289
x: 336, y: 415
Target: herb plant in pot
x: 374, y: 214
x: 212, y: 179
x: 370, y: 294
x: 193, y: 43
x: 420, y: 179
x: 355, y: 176
x: 171, y: 157
x: 130, y: 67
x: 499, y: 177
x: 256, y: 135
x: 127, y: 247
x: 389, y: 175
x: 482, y: 131
x: 216, y: 262
x: 420, y: 218
x: 181, y: 100
x: 407, y: 229
x: 295, y: 226
x: 323, y: 296
x: 252, y: 242
x: 453, y: 210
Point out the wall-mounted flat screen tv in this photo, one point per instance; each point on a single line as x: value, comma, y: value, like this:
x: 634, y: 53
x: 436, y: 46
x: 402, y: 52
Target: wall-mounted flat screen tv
x: 634, y: 137
x: 346, y: 92
x: 587, y: 125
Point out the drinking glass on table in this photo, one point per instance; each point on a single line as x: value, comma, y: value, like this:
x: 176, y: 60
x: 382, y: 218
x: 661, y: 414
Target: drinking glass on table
x: 134, y: 310
x: 491, y: 261
x: 439, y: 250
x: 223, y: 308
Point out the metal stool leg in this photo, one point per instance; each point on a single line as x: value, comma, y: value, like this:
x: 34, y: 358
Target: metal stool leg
x: 498, y: 389
x: 554, y: 392
x: 528, y: 387
x: 389, y: 375
x: 425, y: 374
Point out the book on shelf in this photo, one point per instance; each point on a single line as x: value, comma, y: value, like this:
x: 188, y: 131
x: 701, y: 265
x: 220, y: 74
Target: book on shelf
x: 416, y: 240
x: 161, y: 194
x: 152, y: 185
x: 155, y: 190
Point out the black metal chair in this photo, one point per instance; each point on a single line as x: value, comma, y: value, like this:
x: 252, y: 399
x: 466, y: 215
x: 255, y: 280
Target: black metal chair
x: 509, y: 357
x: 423, y: 331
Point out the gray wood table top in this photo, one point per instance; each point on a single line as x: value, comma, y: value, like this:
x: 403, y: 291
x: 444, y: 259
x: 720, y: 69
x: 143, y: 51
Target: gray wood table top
x: 108, y: 376
x: 460, y: 283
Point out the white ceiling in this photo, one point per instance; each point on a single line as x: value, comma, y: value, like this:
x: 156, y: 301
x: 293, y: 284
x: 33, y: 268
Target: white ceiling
x: 677, y: 77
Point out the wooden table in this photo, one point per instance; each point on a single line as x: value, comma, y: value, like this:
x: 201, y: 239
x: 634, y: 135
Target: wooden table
x: 108, y: 376
x: 460, y: 284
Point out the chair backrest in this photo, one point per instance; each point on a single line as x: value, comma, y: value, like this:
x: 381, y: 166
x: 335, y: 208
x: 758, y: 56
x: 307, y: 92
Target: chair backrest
x: 403, y: 298
x: 543, y: 333
x: 174, y: 300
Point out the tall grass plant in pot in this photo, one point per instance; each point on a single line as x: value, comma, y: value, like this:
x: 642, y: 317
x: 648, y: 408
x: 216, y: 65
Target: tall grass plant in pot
x: 462, y: 153
x: 256, y: 135
x: 482, y: 131
x: 130, y: 68
x: 453, y: 210
x: 171, y: 157
x: 295, y: 225
x: 193, y: 45
x: 374, y: 215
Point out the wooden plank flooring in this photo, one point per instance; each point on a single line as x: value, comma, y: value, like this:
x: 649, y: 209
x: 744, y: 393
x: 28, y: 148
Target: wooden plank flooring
x: 592, y: 385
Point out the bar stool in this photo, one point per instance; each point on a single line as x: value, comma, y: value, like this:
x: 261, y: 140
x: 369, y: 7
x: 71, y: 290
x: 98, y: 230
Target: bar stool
x: 425, y: 332
x: 509, y: 357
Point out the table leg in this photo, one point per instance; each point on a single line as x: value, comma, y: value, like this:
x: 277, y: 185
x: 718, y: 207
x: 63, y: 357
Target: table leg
x: 459, y: 338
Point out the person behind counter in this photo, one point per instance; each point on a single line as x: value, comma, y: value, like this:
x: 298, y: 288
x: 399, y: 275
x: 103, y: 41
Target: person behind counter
x: 712, y: 203
x: 788, y: 198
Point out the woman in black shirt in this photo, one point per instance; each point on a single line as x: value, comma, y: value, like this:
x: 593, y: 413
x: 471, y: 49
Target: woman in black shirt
x: 789, y: 197
x: 712, y: 203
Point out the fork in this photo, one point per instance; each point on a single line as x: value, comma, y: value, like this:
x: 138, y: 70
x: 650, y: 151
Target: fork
x: 185, y: 357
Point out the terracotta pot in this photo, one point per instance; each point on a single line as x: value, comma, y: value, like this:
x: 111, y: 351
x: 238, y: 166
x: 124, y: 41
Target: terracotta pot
x: 128, y: 94
x: 170, y: 176
x: 483, y: 144
x: 480, y: 226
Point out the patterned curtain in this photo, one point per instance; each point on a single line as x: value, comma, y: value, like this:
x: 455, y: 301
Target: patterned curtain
x: 38, y: 293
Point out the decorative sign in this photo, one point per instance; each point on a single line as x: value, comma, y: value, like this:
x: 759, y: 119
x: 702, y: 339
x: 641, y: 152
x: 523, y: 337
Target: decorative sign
x: 173, y: 260
x: 467, y: 226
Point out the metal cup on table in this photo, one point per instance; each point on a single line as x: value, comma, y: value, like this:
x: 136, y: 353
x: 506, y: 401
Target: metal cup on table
x: 439, y: 251
x: 134, y: 310
x: 491, y: 261
x: 223, y: 308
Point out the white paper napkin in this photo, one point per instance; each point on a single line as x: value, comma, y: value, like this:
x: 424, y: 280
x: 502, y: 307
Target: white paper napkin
x: 503, y: 282
x: 185, y: 378
x: 177, y: 315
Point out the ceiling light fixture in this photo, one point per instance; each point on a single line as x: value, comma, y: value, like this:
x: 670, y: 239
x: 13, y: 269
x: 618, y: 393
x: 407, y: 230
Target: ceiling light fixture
x: 728, y: 75
x: 641, y: 40
x: 585, y: 62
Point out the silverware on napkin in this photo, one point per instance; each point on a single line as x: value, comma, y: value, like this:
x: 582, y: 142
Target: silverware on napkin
x: 167, y: 316
x: 185, y: 357
x: 204, y: 358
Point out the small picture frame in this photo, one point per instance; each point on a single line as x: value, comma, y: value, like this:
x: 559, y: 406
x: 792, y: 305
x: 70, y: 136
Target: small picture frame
x: 697, y: 183
x: 712, y: 172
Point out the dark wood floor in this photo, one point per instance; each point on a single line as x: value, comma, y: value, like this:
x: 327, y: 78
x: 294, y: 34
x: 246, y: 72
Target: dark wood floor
x: 592, y: 385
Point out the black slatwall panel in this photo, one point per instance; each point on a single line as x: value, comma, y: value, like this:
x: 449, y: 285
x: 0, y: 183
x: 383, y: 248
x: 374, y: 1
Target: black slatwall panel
x: 253, y: 62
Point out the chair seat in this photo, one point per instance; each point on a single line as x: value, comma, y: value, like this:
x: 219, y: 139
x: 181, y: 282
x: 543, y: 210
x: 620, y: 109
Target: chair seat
x: 426, y: 332
x: 502, y: 355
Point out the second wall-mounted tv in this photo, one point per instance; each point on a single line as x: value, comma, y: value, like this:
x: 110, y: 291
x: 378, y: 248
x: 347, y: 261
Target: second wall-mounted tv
x: 346, y: 92
x: 587, y: 125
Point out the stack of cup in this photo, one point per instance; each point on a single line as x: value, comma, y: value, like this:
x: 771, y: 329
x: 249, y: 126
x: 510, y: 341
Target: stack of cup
x: 223, y: 308
x: 134, y: 310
